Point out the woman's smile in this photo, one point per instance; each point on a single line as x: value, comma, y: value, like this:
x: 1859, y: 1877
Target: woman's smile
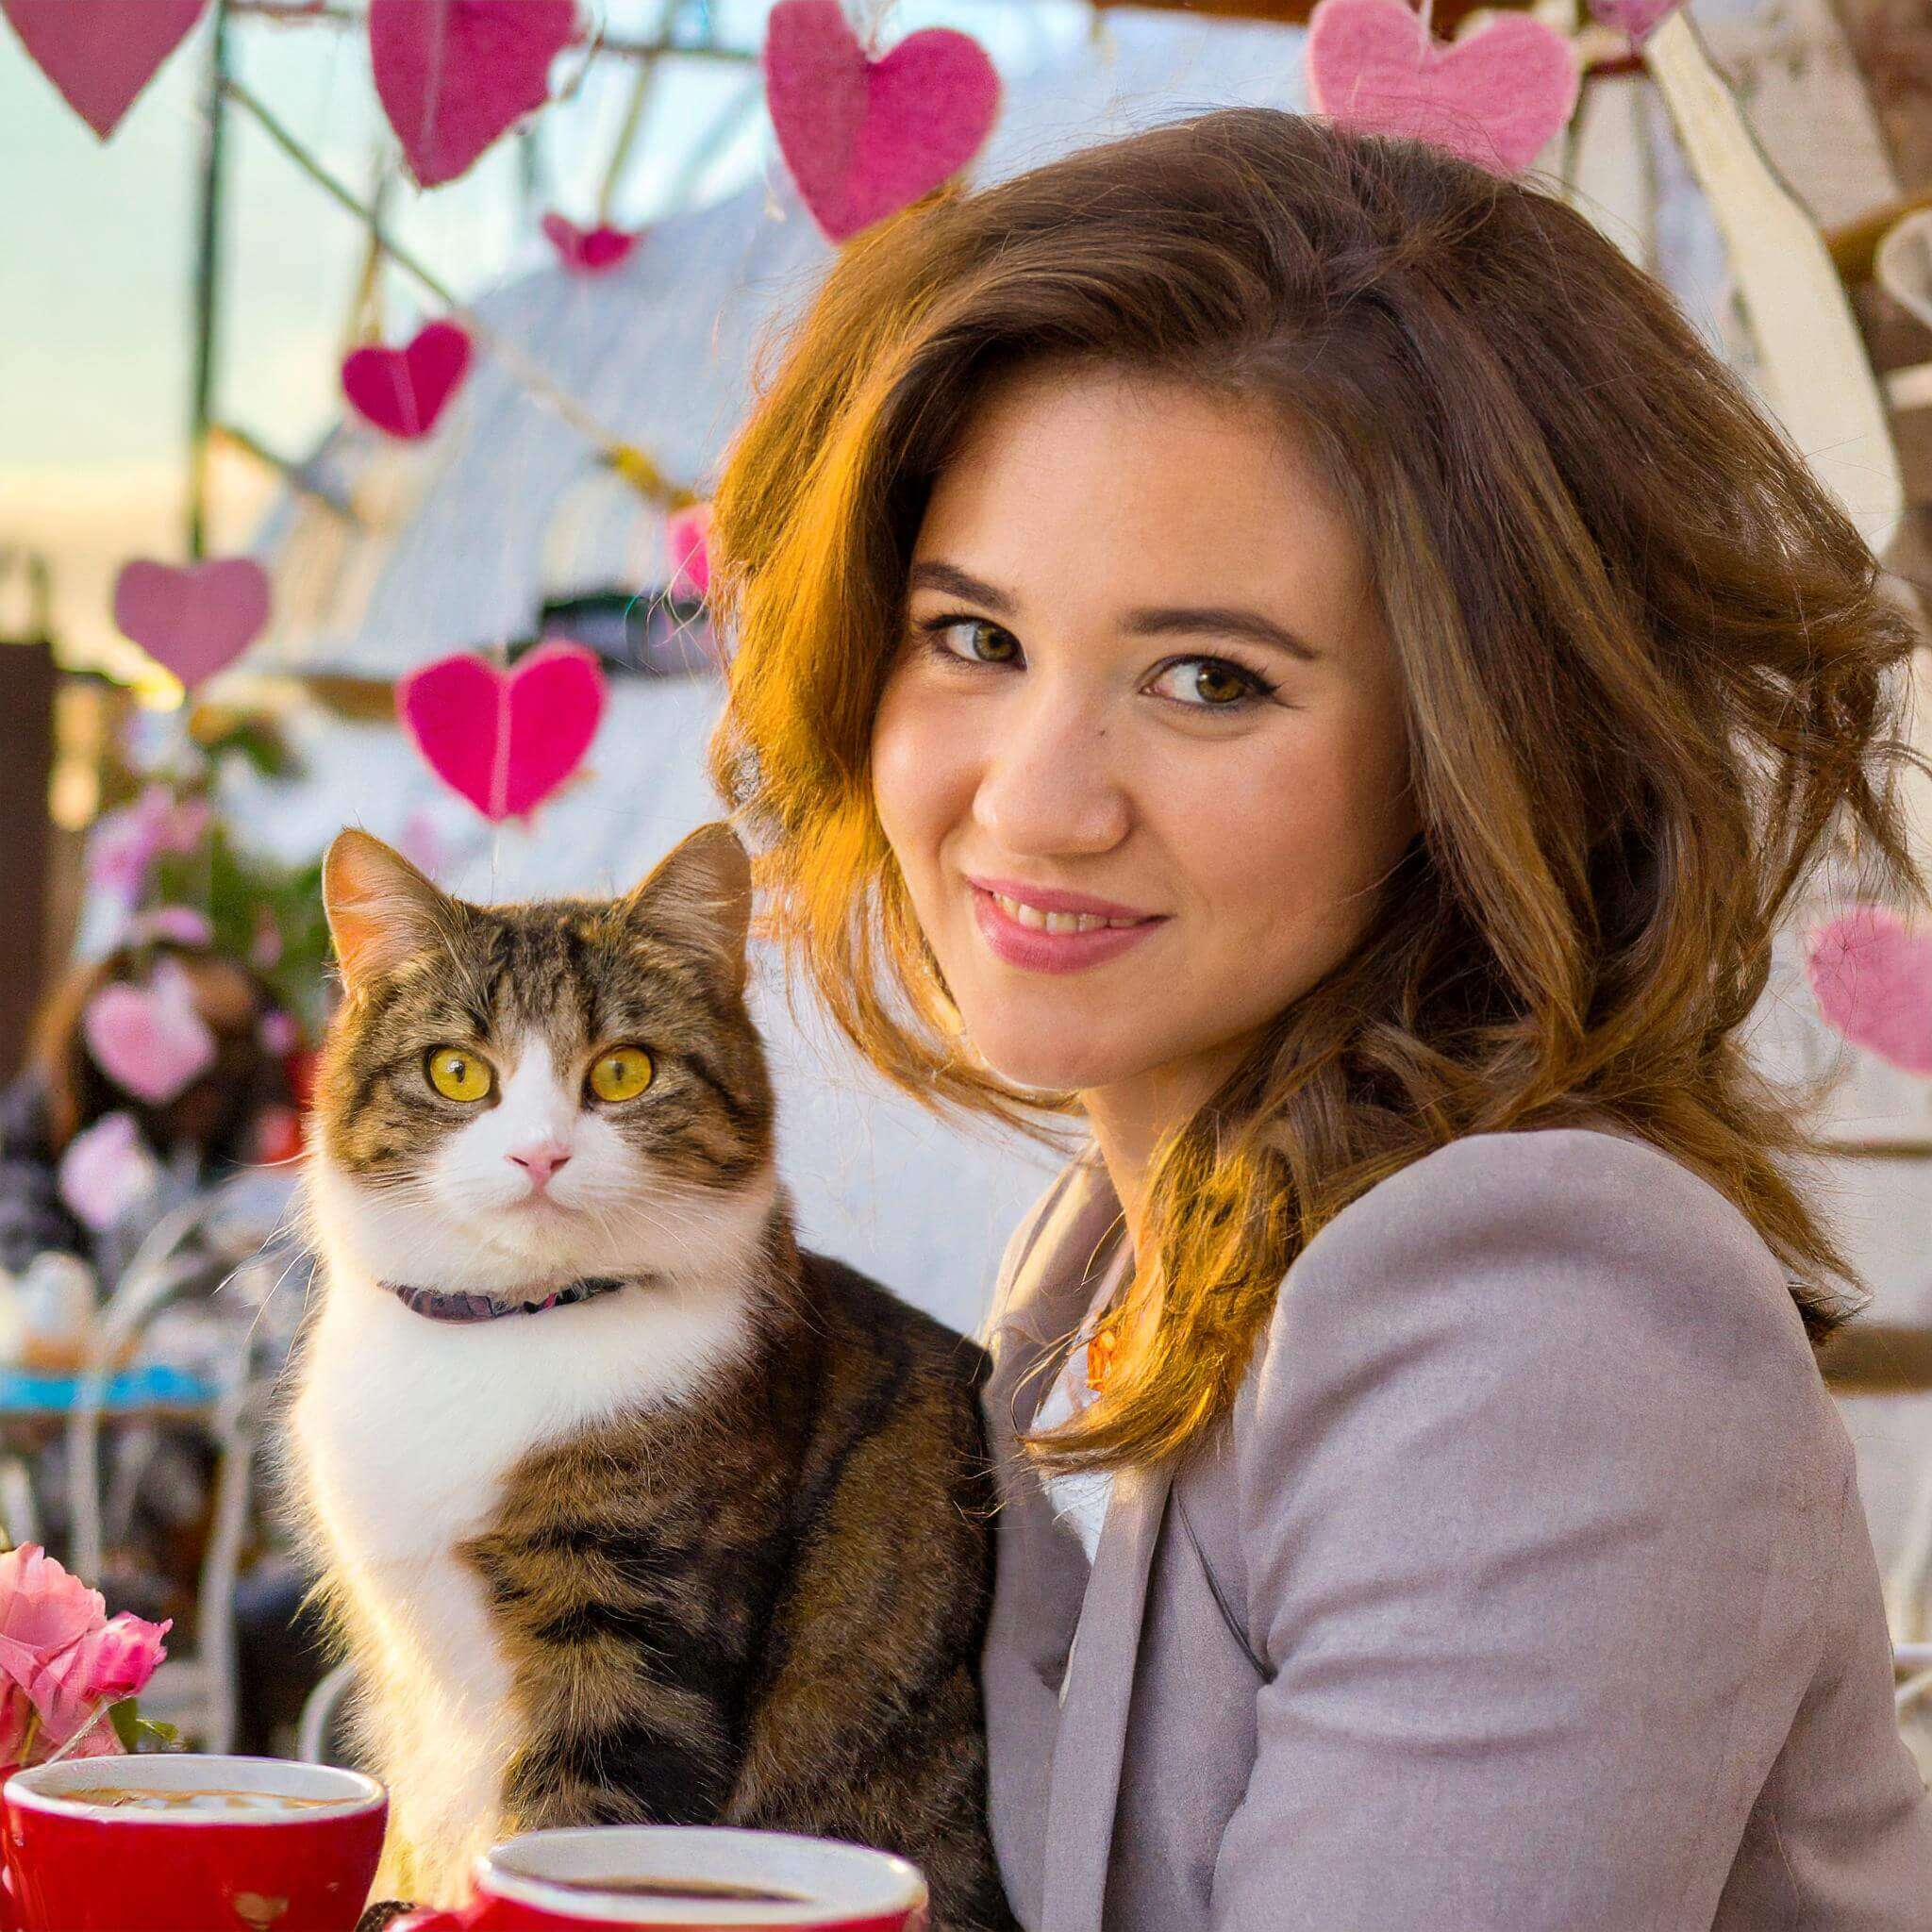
x: 1040, y: 929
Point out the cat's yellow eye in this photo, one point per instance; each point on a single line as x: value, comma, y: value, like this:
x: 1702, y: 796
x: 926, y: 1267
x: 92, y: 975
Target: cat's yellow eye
x: 458, y: 1074
x: 622, y: 1074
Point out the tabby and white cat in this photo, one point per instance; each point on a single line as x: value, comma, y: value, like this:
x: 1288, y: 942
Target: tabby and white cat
x: 630, y: 1509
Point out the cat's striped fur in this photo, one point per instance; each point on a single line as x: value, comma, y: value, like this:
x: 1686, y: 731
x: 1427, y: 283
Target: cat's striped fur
x: 712, y: 1549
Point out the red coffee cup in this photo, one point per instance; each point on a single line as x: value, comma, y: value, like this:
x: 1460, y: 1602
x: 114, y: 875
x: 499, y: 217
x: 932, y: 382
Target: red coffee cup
x: 76, y: 1865
x: 693, y: 1878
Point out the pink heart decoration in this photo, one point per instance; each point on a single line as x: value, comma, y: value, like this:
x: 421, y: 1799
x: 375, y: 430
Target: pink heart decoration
x: 452, y: 74
x: 402, y: 391
x: 588, y: 251
x: 195, y: 620
x: 865, y: 138
x: 505, y: 740
x: 1637, y: 18
x: 688, y: 542
x: 150, y: 1039
x: 1494, y: 98
x: 106, y: 1172
x: 1873, y: 977
x: 101, y: 53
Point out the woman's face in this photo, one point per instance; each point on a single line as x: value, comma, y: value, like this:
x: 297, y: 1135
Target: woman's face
x: 1141, y: 756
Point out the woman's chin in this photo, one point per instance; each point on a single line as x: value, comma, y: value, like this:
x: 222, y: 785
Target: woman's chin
x: 1052, y: 1066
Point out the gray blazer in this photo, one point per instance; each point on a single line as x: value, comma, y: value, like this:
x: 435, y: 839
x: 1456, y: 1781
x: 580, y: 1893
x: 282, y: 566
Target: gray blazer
x: 1529, y: 1589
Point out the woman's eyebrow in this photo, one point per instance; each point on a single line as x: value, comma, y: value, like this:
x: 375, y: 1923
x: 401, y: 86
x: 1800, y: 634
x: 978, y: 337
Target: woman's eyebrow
x: 956, y: 582
x: 1220, y: 621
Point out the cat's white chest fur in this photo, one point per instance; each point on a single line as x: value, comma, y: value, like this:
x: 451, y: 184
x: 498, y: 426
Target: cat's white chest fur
x: 402, y: 1432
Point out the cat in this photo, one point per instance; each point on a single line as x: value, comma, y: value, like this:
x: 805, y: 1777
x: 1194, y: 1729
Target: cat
x: 627, y: 1509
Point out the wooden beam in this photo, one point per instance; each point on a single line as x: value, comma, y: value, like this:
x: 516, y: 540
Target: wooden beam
x: 28, y: 681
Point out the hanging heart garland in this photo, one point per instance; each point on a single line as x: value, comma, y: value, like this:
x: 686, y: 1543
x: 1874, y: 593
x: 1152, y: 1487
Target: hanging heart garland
x: 455, y: 75
x: 101, y: 53
x: 106, y: 1172
x: 149, y: 1040
x: 402, y: 391
x: 588, y: 251
x: 505, y: 739
x: 1872, y: 974
x: 865, y: 138
x: 195, y: 620
x: 688, y: 547
x: 1494, y: 98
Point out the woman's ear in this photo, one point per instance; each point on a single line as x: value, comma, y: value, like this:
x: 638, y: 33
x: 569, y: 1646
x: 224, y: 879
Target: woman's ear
x: 381, y: 910
x: 700, y: 895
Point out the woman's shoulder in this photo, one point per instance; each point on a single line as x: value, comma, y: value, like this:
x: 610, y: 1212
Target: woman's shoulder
x: 1593, y: 1214
x: 1580, y: 1269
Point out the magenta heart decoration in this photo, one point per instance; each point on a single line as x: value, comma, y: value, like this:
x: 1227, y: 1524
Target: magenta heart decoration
x: 1637, y: 18
x: 865, y: 138
x: 588, y: 251
x: 688, y: 546
x: 1873, y: 977
x: 452, y: 74
x: 101, y: 53
x: 505, y: 739
x: 1494, y: 98
x: 402, y: 391
x: 195, y: 620
x: 150, y: 1039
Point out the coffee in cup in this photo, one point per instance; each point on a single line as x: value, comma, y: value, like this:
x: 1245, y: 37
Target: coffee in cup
x: 694, y: 1878
x: 189, y: 1842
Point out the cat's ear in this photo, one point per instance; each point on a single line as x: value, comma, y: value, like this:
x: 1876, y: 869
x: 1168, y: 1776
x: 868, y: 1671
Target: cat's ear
x: 381, y: 910
x: 700, y: 896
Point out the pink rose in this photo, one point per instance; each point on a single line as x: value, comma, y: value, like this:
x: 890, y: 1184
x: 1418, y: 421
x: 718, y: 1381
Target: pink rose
x: 101, y: 1667
x: 43, y: 1610
x: 61, y: 1656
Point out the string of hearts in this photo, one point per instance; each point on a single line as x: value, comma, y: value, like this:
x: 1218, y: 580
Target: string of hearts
x: 862, y: 135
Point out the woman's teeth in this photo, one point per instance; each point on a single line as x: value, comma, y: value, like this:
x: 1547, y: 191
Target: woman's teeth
x: 1022, y: 914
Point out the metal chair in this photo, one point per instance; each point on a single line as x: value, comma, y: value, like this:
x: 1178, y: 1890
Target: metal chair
x: 189, y: 1250
x: 318, y: 1736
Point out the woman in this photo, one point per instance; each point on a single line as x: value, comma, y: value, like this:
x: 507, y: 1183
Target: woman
x: 1289, y: 649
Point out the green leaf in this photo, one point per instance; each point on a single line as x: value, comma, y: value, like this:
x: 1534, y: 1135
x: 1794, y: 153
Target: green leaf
x: 138, y: 1732
x: 126, y: 1722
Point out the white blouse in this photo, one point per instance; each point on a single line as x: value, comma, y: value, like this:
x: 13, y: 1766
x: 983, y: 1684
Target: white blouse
x: 1079, y: 1499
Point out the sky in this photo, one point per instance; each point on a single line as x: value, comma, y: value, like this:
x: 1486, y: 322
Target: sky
x: 97, y: 277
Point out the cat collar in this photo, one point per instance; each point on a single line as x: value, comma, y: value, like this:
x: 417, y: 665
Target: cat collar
x: 439, y: 1304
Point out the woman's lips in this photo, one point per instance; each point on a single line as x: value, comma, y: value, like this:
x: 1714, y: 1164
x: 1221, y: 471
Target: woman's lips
x: 1036, y: 950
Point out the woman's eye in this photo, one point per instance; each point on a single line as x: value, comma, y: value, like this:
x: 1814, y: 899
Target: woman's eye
x: 1210, y: 684
x: 622, y: 1074
x: 458, y: 1074
x: 975, y: 640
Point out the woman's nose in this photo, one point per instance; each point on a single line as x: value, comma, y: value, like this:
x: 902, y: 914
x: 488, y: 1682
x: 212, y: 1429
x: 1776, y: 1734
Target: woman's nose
x: 1049, y: 783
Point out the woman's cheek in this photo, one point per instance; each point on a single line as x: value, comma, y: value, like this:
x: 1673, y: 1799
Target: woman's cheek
x: 924, y: 772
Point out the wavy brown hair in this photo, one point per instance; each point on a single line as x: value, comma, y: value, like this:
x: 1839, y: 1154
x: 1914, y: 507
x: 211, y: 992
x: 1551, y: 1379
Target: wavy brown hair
x: 1651, y: 679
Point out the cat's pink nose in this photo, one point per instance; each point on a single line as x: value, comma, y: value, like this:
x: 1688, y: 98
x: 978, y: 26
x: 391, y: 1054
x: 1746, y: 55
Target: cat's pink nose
x: 541, y: 1160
